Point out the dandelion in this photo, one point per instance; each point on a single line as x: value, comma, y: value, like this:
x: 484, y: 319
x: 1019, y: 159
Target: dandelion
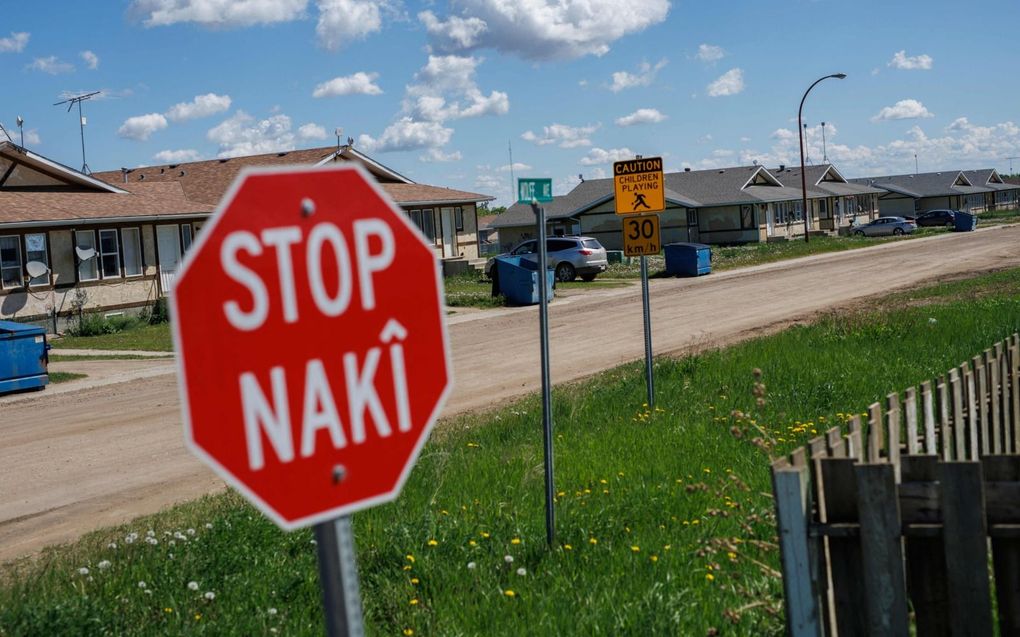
x: 472, y: 543
x: 168, y: 610
x: 592, y: 541
x: 209, y: 596
x: 509, y: 559
x: 151, y: 540
x: 271, y: 611
x: 415, y: 581
x: 83, y: 571
x: 409, y: 558
x: 198, y: 616
x: 414, y: 602
x: 653, y: 558
x: 567, y: 547
x: 709, y: 576
x: 433, y: 543
x: 112, y: 546
x: 516, y: 540
x: 105, y: 564
x: 407, y: 567
x: 509, y: 593
x: 150, y: 533
x: 408, y: 632
x: 731, y: 555
x: 130, y: 538
x: 485, y: 535
x: 522, y: 571
x: 635, y: 549
x: 471, y: 566
x: 208, y: 525
x: 192, y: 586
x: 667, y: 547
x: 142, y: 584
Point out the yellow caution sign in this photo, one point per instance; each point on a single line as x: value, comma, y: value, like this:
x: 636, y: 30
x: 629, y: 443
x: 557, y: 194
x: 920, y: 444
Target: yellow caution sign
x: 641, y: 235
x: 639, y: 186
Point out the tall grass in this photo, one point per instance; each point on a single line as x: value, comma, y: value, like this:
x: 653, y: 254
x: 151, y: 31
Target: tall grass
x: 664, y: 522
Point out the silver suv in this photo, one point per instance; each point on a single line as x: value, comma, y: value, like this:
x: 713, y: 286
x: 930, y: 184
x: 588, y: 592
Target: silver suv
x: 570, y: 257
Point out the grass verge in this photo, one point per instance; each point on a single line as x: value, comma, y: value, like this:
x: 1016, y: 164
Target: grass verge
x: 63, y: 377
x: 663, y: 519
x: 71, y: 358
x: 152, y: 338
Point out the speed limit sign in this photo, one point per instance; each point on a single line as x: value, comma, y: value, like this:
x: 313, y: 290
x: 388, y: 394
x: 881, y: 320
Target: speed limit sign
x: 641, y: 235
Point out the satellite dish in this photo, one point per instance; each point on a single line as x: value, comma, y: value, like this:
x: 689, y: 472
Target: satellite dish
x: 36, y: 269
x: 21, y: 120
x: 84, y: 254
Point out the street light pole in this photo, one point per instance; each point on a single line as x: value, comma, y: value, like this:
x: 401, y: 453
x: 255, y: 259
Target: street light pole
x: 800, y: 129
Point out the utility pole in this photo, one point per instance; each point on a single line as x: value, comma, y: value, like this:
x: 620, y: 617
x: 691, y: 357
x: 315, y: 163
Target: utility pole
x: 825, y: 156
x: 71, y: 101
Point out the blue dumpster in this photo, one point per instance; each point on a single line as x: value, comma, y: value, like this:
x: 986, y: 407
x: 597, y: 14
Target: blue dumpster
x: 518, y: 280
x: 23, y: 357
x: 688, y: 259
x: 964, y: 221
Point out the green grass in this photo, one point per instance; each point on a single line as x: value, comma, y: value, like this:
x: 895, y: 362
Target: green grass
x: 61, y: 358
x: 475, y: 290
x: 1002, y: 216
x: 63, y: 377
x: 153, y: 338
x: 675, y: 500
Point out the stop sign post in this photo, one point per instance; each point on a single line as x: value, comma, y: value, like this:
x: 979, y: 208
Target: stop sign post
x: 312, y: 351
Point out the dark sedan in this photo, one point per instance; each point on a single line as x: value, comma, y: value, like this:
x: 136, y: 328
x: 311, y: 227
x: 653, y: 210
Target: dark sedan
x: 937, y: 218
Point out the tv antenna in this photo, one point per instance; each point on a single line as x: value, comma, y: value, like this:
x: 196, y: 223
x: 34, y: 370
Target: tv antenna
x: 21, y: 127
x: 71, y: 101
x: 1011, y: 163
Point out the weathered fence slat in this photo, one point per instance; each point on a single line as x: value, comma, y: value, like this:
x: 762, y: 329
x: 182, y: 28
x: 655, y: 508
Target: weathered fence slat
x: 1002, y: 478
x: 993, y: 399
x: 978, y: 441
x: 893, y: 428
x: 945, y: 428
x: 928, y: 402
x: 910, y: 411
x: 926, y: 562
x: 956, y: 383
x: 853, y: 438
x: 844, y: 552
x: 1007, y: 402
x: 1014, y: 372
x: 970, y: 610
x: 837, y: 447
x: 981, y: 372
x: 876, y: 437
x: 884, y: 588
x: 793, y: 511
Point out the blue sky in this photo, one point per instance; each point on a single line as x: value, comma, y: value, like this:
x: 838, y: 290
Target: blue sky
x: 439, y: 90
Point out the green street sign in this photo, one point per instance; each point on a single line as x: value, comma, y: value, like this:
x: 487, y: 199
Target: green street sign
x: 529, y: 190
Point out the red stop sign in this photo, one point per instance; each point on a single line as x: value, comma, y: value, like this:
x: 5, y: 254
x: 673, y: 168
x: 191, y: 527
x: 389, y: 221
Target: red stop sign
x: 312, y: 352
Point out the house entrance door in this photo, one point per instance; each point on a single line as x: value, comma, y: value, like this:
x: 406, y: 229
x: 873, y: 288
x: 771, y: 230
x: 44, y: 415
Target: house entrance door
x: 169, y: 246
x: 449, y: 232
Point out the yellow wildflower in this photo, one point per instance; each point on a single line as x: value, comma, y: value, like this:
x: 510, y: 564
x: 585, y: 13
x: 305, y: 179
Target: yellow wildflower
x: 592, y: 540
x: 567, y: 547
x: 654, y: 558
x: 415, y: 581
x: 509, y: 593
x: 414, y: 601
x: 433, y: 543
x: 709, y: 576
x: 409, y: 558
x: 635, y: 549
x: 408, y: 632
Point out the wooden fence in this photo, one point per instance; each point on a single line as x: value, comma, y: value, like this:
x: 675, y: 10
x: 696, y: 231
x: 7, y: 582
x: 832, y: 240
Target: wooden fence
x: 889, y: 528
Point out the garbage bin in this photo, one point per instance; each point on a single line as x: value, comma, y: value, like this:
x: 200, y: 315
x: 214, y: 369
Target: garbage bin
x: 614, y: 256
x: 688, y: 259
x: 518, y: 280
x: 23, y: 357
x: 964, y: 221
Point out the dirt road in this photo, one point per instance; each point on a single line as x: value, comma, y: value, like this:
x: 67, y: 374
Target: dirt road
x: 77, y: 461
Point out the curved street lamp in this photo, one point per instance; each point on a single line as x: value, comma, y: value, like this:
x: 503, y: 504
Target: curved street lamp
x: 803, y: 176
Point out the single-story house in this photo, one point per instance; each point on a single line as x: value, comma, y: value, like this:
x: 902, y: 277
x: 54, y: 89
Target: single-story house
x: 71, y: 242
x: 112, y: 241
x: 447, y: 218
x: 1001, y: 195
x: 835, y: 202
x: 912, y: 194
x: 743, y: 204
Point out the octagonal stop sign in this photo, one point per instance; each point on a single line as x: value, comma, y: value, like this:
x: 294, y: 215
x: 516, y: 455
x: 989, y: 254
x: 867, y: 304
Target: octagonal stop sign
x: 312, y: 353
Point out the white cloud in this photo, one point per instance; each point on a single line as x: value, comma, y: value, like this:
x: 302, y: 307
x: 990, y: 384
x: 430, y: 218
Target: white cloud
x: 91, y: 59
x: 556, y: 29
x: 921, y: 62
x: 453, y: 34
x: 141, y: 127
x: 31, y: 135
x: 903, y: 109
x: 517, y: 166
x: 14, y: 44
x: 783, y: 134
x: 201, y: 106
x: 177, y: 156
x: 241, y: 134
x: 342, y: 21
x: 729, y: 83
x: 646, y: 75
x: 641, y: 116
x: 562, y: 135
x: 104, y: 93
x: 51, y: 65
x: 710, y: 53
x: 311, y: 131
x: 360, y: 83
x: 217, y: 13
x: 437, y: 155
x: 445, y: 89
x: 407, y: 134
x: 704, y: 139
x: 597, y: 156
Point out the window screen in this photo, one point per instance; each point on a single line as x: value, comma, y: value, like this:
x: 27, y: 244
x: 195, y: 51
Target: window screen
x: 85, y: 241
x: 132, y: 252
x: 109, y: 254
x: 10, y: 262
x: 35, y: 250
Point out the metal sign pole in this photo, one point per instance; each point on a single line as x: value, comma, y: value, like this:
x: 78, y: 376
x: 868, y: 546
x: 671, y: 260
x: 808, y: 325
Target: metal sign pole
x: 338, y: 578
x: 646, y: 310
x: 543, y: 322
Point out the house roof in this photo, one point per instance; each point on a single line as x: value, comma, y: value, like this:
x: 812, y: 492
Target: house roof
x: 688, y: 189
x: 988, y: 178
x: 21, y: 207
x: 22, y: 168
x: 822, y: 180
x: 208, y: 180
x: 933, y: 184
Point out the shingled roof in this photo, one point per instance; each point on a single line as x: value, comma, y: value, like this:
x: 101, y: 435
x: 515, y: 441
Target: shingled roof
x: 208, y: 180
x: 932, y: 184
x: 823, y: 180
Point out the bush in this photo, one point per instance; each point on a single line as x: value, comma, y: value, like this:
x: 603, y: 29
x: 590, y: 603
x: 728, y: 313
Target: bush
x: 92, y: 324
x: 160, y: 312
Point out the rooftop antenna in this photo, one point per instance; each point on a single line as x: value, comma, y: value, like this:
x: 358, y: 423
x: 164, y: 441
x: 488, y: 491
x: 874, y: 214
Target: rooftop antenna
x: 825, y: 157
x: 21, y: 127
x: 71, y: 101
x: 1011, y: 163
x: 915, y: 163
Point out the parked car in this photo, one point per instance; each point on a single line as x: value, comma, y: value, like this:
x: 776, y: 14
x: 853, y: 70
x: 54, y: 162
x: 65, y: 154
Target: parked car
x: 570, y: 257
x: 885, y: 226
x: 937, y: 218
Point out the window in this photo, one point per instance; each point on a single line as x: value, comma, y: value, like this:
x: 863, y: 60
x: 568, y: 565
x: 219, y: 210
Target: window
x: 109, y: 254
x: 692, y: 216
x: 10, y: 262
x: 35, y: 250
x: 425, y: 220
x: 458, y: 219
x: 747, y: 217
x: 85, y: 255
x: 186, y: 236
x: 132, y: 251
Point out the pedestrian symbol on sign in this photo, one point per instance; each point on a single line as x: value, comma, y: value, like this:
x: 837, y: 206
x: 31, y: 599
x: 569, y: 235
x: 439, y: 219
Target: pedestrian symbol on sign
x: 639, y: 200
